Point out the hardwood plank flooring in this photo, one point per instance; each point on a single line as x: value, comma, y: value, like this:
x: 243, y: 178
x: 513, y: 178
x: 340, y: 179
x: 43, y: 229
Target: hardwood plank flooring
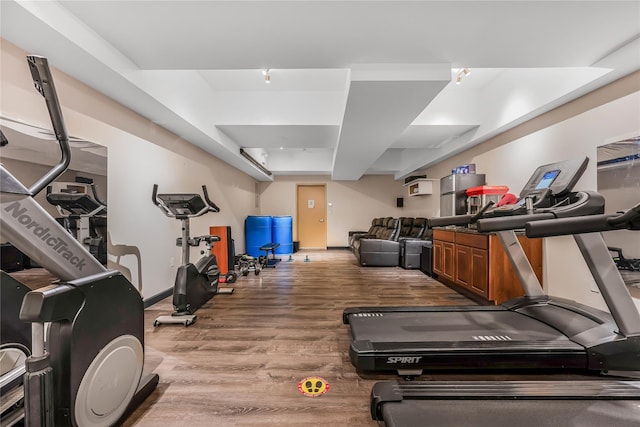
x: 241, y: 362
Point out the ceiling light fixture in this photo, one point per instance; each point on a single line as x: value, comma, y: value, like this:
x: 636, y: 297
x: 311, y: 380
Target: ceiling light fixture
x: 255, y: 163
x: 267, y: 76
x: 464, y: 72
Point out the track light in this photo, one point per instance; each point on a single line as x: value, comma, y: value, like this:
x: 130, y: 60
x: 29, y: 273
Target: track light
x: 255, y: 163
x: 464, y: 72
x: 267, y: 77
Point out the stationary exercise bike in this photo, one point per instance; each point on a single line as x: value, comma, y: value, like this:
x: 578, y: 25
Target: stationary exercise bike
x: 88, y: 371
x: 82, y: 213
x: 197, y: 283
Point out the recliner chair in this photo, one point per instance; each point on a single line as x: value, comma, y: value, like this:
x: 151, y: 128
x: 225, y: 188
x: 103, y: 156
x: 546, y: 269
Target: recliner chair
x: 406, y: 225
x: 376, y: 234
x: 411, y: 247
x: 383, y: 251
x: 376, y: 223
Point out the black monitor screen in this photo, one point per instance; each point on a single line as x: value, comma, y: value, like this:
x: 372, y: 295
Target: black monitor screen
x: 547, y: 179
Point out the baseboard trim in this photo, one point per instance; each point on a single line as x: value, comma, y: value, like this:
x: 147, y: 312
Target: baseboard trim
x: 157, y: 298
x: 332, y: 248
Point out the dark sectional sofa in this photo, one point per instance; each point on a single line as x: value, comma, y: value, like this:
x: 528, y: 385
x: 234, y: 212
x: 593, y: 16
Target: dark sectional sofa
x: 391, y: 242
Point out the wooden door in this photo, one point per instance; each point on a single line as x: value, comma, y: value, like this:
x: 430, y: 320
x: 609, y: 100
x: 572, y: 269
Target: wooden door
x: 312, y: 216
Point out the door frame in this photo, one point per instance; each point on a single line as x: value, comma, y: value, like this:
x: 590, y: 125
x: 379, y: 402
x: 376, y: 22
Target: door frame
x: 310, y: 184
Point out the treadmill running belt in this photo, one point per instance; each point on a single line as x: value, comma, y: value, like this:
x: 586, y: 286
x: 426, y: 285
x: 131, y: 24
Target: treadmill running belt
x: 521, y: 413
x: 411, y: 342
x: 454, y: 326
x: 524, y: 403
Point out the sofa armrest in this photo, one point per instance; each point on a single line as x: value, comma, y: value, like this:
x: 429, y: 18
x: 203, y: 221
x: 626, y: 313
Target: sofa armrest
x: 414, y: 246
x: 411, y: 252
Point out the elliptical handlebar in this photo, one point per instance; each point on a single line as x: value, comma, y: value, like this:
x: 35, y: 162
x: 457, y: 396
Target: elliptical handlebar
x: 43, y: 81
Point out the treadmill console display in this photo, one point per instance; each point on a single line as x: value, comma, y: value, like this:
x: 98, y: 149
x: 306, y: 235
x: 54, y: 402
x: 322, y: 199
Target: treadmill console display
x: 538, y: 193
x: 547, y: 179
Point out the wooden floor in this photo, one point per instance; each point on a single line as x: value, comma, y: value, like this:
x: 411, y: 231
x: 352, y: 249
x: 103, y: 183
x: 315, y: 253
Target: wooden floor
x: 241, y: 363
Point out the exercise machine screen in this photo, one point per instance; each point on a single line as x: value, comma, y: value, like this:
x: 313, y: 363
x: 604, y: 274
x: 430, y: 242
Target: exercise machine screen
x: 547, y: 179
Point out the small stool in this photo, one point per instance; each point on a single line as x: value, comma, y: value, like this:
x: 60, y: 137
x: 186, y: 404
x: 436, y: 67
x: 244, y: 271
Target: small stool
x: 270, y: 247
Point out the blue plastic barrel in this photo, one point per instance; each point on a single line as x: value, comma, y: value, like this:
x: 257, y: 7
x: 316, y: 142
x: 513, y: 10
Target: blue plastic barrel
x: 282, y: 233
x: 257, y: 232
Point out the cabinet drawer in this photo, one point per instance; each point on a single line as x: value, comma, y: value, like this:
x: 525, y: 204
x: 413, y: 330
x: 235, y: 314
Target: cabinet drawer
x: 444, y: 235
x: 479, y: 241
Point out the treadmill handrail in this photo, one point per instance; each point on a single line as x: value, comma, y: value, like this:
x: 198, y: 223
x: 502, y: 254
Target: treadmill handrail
x: 585, y: 224
x: 510, y: 222
x: 585, y: 231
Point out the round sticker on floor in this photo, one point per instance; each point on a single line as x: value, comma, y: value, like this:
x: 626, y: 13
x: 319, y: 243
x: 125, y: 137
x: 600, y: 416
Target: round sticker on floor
x: 313, y: 386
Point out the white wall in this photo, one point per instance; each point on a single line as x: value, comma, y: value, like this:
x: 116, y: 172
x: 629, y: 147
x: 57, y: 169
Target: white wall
x: 574, y: 130
x: 140, y: 154
x: 353, y: 203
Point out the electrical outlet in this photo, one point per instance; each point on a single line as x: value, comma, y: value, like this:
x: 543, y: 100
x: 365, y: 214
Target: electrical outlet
x: 172, y: 262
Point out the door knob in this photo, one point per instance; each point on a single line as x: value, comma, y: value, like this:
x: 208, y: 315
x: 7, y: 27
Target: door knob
x: 321, y: 219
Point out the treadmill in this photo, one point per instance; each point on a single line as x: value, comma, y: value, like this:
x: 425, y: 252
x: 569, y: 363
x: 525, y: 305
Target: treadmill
x: 530, y: 333
x: 587, y: 402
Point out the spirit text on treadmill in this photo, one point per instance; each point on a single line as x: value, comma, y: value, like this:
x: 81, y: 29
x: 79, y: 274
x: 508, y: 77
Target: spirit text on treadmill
x: 57, y: 243
x: 413, y: 359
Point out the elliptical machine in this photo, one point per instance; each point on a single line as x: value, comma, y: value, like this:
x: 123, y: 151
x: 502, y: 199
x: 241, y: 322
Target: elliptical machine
x: 89, y: 369
x: 195, y: 284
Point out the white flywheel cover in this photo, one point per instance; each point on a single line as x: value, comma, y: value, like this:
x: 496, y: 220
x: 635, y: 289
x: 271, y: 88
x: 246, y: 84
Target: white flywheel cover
x: 110, y: 382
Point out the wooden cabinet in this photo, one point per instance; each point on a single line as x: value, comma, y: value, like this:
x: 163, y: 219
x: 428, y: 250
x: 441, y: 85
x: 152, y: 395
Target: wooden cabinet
x: 477, y: 264
x: 463, y: 272
x: 480, y: 271
x: 448, y: 260
x: 437, y: 257
x: 443, y: 254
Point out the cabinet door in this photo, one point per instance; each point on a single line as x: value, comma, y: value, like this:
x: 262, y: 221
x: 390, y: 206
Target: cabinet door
x: 437, y: 257
x: 480, y: 271
x: 448, y: 260
x: 463, y: 265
